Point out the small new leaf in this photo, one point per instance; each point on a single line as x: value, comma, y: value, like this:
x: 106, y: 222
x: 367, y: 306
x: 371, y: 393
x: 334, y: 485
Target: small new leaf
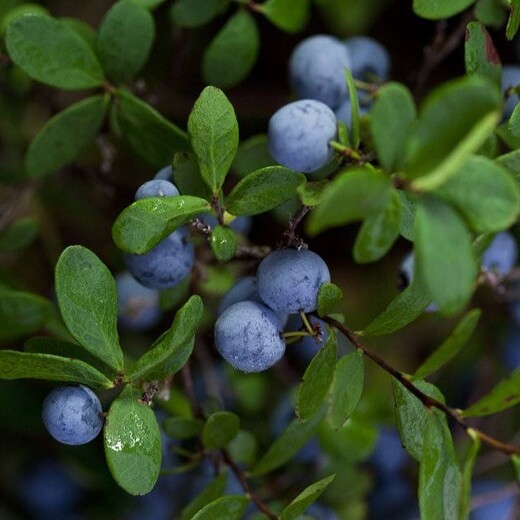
x: 329, y: 298
x: 223, y: 243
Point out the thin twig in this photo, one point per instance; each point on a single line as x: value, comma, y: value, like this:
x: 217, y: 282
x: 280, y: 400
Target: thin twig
x: 289, y: 235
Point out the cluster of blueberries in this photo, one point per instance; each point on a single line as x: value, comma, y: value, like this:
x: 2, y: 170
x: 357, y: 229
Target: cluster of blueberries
x: 299, y: 133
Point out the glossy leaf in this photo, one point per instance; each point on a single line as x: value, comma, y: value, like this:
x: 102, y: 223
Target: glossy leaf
x: 351, y: 196
x: 125, y: 39
x: 308, y: 496
x: 87, y: 297
x: 392, y: 116
x: 317, y: 379
x: 480, y: 54
x: 65, y: 134
x: 233, y: 51
x: 195, y: 13
x: 439, y: 473
x: 230, y: 507
x: 213, y: 132
x: 132, y: 442
x: 457, y: 111
x: 50, y: 52
x: 289, y: 15
x: 28, y: 365
x: 412, y: 416
x: 405, y: 308
x: 439, y: 9
x: 451, y: 346
x: 172, y: 350
x: 378, y: 232
x: 263, y: 190
x: 444, y: 255
x: 148, y: 133
x: 346, y: 388
x: 22, y: 313
x: 223, y: 243
x: 329, y: 298
x: 212, y: 492
x: 219, y: 430
x: 144, y: 223
x: 485, y: 193
x: 19, y: 234
x: 287, y: 445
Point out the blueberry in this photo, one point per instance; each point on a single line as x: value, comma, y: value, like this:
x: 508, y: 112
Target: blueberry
x: 308, y: 346
x: 137, y: 305
x: 299, y: 135
x: 241, y: 224
x: 244, y: 289
x: 166, y: 264
x: 501, y: 507
x: 510, y: 78
x: 388, y: 457
x: 248, y: 336
x: 165, y: 174
x: 370, y: 60
x: 316, y: 69
x: 501, y: 255
x: 72, y: 414
x: 156, y: 188
x: 289, y: 280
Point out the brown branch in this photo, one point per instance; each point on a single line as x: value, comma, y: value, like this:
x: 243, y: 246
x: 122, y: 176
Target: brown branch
x: 426, y: 400
x: 289, y: 235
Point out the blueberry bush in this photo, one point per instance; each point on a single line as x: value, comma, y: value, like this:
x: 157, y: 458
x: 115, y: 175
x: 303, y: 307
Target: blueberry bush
x: 258, y: 259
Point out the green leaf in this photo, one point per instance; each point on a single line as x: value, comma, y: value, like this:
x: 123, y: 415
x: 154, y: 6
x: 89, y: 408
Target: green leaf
x: 391, y: 119
x: 485, y: 193
x: 87, y: 297
x: 467, y: 474
x: 48, y: 51
x: 223, y: 243
x: 329, y: 298
x: 213, y: 132
x: 317, y: 379
x: 406, y: 307
x: 515, y: 461
x: 288, y: 15
x: 132, y: 443
x: 195, y: 13
x: 439, y: 473
x: 19, y: 234
x: 505, y: 135
x: 174, y: 347
x: 444, y: 255
x: 149, y: 4
x: 412, y: 416
x: 220, y: 429
x: 514, y: 122
x: 513, y: 21
x: 187, y: 177
x: 480, y: 54
x: 182, y: 428
x: 354, y: 109
x: 455, y: 118
x: 290, y: 442
x: 408, y: 207
x: 144, y: 223
x: 64, y: 135
x: 125, y: 39
x: 212, y: 492
x: 451, y: 346
x: 147, y: 132
x: 233, y: 51
x: 310, y: 192
x: 252, y: 154
x: 243, y: 448
x: 490, y: 12
x: 171, y: 297
x: 22, y: 313
x: 378, y: 232
x: 263, y: 190
x: 309, y: 495
x: 350, y: 196
x: 439, y: 9
x: 17, y: 11
x: 83, y: 30
x: 504, y: 395
x: 346, y: 388
x: 511, y: 162
x: 230, y: 507
x: 28, y: 365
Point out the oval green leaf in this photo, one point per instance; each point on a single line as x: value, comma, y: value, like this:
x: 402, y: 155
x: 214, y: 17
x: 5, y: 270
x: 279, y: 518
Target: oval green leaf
x: 195, y: 13
x: 223, y: 243
x: 230, y: 507
x: 288, y: 15
x: 439, y: 9
x: 220, y: 429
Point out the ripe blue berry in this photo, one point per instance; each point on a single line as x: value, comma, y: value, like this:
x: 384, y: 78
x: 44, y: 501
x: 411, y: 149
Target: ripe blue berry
x: 370, y: 60
x: 244, y: 289
x: 299, y: 135
x: 316, y: 69
x: 72, y: 414
x: 289, y: 280
x: 501, y: 255
x: 137, y: 305
x: 156, y: 188
x: 166, y: 264
x: 248, y: 336
x: 164, y: 174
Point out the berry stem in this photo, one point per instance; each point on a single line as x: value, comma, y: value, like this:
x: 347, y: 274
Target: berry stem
x: 307, y: 324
